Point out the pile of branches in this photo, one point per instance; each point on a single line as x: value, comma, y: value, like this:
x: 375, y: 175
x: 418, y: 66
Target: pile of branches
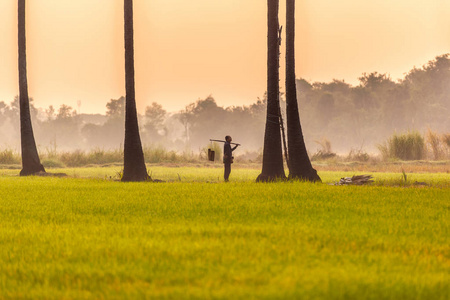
x: 355, y: 180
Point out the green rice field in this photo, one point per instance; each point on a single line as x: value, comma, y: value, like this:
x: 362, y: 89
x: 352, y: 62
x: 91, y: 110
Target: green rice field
x: 89, y: 236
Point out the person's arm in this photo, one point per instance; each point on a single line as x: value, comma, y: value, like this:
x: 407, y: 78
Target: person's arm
x: 234, y: 148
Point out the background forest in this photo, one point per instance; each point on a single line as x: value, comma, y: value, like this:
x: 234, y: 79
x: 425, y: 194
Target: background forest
x: 350, y: 117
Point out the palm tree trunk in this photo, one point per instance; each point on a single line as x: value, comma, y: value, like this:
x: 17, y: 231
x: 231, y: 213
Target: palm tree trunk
x: 30, y: 158
x: 272, y: 167
x: 134, y: 164
x: 299, y: 164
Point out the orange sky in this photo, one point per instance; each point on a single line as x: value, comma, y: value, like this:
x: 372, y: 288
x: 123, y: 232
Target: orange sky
x: 186, y: 50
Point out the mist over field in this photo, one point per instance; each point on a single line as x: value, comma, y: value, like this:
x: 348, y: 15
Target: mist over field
x: 350, y: 117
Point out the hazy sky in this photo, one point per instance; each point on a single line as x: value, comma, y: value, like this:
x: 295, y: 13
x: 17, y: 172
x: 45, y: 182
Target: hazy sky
x: 186, y: 50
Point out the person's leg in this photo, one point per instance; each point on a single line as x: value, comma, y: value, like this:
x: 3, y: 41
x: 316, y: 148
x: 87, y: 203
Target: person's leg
x: 227, y: 171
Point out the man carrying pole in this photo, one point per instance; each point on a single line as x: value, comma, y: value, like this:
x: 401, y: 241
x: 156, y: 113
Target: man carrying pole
x: 228, y: 156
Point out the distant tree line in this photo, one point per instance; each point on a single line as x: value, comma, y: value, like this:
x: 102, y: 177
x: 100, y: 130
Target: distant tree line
x: 367, y: 114
x: 348, y: 116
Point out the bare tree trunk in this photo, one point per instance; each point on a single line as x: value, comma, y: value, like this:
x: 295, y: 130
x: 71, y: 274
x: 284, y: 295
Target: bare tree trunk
x: 272, y: 167
x: 30, y: 158
x: 134, y: 164
x: 299, y: 164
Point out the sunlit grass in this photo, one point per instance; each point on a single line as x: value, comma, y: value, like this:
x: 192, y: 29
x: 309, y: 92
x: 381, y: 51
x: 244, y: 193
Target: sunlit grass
x: 214, y: 174
x: 90, y: 236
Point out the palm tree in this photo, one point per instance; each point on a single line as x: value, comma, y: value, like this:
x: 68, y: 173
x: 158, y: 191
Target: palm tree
x: 30, y: 158
x: 272, y: 167
x: 134, y: 164
x: 299, y: 164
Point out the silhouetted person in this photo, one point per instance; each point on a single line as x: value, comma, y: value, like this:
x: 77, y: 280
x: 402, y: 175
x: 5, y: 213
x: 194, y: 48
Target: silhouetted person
x: 228, y: 157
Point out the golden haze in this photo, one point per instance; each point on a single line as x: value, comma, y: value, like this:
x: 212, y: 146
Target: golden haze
x: 186, y: 50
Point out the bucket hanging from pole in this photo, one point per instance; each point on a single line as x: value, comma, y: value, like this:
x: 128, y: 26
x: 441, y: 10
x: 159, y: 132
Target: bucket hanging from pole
x: 211, y: 154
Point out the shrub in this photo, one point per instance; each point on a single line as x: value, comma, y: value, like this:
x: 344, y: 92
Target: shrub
x: 358, y: 155
x: 324, y: 153
x: 160, y: 154
x: 77, y: 158
x: 446, y: 139
x: 406, y: 146
x: 9, y: 157
x: 52, y: 163
x: 100, y: 156
x: 435, y: 145
x: 250, y: 156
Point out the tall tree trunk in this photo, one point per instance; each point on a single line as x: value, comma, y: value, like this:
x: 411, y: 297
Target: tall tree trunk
x: 272, y: 167
x: 30, y: 158
x: 134, y: 164
x: 299, y: 164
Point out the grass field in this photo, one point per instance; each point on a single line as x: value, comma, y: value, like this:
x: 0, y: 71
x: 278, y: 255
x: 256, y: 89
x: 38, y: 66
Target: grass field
x: 90, y: 236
